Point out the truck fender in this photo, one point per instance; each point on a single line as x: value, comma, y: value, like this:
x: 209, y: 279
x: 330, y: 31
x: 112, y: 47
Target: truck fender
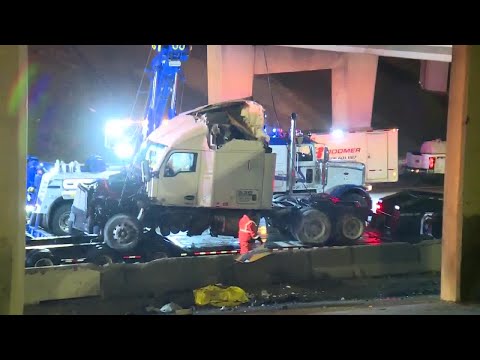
x: 340, y: 191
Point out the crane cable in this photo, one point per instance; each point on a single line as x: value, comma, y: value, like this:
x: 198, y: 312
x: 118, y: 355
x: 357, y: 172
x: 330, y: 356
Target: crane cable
x: 274, y: 107
x: 141, y: 83
x: 270, y: 86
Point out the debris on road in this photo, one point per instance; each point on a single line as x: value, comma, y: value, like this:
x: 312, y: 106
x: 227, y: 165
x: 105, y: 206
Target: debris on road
x: 253, y: 255
x: 170, y: 308
x: 152, y: 309
x: 184, y: 312
x: 265, y: 294
x: 220, y: 297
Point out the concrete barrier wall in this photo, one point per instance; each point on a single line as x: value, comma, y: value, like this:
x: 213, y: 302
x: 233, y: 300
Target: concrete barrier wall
x: 62, y: 282
x: 430, y: 256
x: 183, y: 274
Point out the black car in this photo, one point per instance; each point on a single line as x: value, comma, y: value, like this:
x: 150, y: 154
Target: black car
x: 409, y: 215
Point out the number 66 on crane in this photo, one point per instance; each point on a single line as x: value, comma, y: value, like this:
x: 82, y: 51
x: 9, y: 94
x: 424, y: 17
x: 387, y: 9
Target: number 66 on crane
x: 158, y: 48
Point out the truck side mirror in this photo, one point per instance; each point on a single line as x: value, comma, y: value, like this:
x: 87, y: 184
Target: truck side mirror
x: 146, y: 174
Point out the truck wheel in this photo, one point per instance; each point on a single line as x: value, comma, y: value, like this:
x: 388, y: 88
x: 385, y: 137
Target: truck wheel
x: 122, y: 232
x: 362, y: 200
x: 313, y: 228
x: 349, y: 229
x: 40, y: 258
x: 60, y: 218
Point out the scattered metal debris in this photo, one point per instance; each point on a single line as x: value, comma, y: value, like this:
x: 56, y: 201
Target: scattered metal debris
x: 170, y: 308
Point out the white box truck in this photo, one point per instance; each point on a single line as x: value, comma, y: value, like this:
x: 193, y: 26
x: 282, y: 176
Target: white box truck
x: 377, y: 149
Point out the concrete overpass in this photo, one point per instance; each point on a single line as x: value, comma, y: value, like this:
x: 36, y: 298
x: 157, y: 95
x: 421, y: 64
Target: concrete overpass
x: 231, y: 69
x: 442, y: 53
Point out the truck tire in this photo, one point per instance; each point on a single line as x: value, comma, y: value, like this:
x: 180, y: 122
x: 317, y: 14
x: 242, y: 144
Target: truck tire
x: 40, y: 258
x: 312, y: 227
x: 122, y: 232
x: 59, y: 224
x: 349, y: 229
x: 362, y: 200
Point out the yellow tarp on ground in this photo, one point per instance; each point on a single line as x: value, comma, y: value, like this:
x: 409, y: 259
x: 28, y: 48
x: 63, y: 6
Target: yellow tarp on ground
x: 217, y: 296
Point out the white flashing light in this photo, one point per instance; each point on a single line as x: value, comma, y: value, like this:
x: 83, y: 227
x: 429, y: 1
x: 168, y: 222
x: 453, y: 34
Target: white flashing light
x: 29, y: 209
x: 338, y: 133
x: 124, y: 150
x: 117, y: 127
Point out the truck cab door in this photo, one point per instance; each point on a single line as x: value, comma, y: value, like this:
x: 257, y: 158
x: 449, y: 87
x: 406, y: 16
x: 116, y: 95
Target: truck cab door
x: 177, y: 184
x: 306, y: 166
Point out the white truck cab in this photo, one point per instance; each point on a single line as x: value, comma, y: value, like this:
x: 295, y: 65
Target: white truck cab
x: 190, y: 171
x: 309, y: 170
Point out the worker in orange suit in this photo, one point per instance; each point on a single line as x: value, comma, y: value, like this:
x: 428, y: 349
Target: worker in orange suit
x: 247, y: 233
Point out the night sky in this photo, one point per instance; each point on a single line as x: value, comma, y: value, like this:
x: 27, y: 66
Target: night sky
x: 75, y: 89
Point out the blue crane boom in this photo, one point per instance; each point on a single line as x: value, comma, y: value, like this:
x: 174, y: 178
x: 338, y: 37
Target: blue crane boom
x: 164, y: 72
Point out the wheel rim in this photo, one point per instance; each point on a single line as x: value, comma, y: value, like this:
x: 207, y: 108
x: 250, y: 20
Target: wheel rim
x: 43, y: 262
x: 352, y: 229
x: 124, y: 234
x: 63, y: 222
x: 312, y: 231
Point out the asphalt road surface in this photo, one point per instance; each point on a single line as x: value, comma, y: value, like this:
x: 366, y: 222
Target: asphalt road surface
x: 421, y: 305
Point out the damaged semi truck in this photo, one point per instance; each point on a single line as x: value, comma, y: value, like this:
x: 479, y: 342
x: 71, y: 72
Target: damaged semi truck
x: 203, y: 170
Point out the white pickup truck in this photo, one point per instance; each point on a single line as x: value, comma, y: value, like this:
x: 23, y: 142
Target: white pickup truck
x: 430, y: 159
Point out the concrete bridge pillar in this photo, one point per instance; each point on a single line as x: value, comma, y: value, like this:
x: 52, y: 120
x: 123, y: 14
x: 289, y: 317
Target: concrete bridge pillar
x: 353, y: 90
x: 230, y: 71
x: 434, y: 76
x: 13, y: 148
x: 461, y: 213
